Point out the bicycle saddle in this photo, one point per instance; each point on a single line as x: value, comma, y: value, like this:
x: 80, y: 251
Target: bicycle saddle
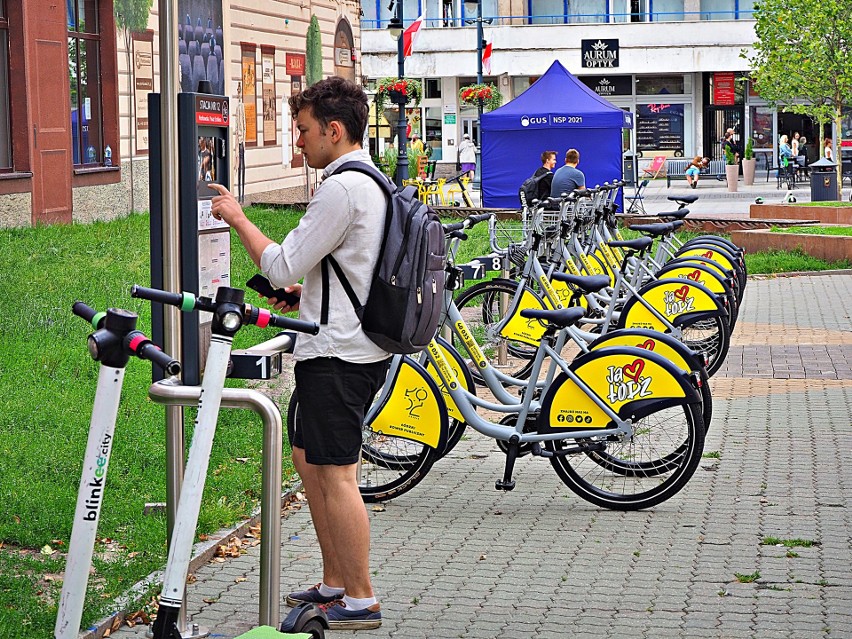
x: 683, y: 199
x: 678, y: 215
x: 561, y: 317
x: 639, y: 244
x: 676, y: 224
x: 653, y: 230
x: 586, y: 283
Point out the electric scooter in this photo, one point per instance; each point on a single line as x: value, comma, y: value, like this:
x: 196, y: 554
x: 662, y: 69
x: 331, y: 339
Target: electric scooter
x: 230, y: 313
x: 115, y: 339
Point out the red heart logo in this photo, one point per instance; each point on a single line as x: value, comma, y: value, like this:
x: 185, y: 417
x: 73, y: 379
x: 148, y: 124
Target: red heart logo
x: 681, y: 293
x: 634, y: 370
x: 648, y: 345
x: 708, y: 255
x: 694, y: 276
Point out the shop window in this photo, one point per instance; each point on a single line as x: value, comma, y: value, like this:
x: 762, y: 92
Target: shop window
x: 85, y: 82
x: 433, y: 132
x: 567, y: 11
x: 432, y: 88
x: 661, y: 85
x: 666, y: 10
x: 727, y: 9
x: 5, y: 120
x: 660, y: 129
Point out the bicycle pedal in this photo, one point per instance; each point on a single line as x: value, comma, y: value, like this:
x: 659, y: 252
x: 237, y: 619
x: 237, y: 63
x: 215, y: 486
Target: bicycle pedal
x: 501, y: 484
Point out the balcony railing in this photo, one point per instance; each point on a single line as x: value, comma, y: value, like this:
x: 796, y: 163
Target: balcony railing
x: 585, y: 18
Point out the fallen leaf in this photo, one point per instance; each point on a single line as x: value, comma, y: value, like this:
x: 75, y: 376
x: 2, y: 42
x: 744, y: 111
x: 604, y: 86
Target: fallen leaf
x: 240, y: 580
x: 483, y: 557
x: 46, y: 550
x: 378, y: 508
x: 242, y: 460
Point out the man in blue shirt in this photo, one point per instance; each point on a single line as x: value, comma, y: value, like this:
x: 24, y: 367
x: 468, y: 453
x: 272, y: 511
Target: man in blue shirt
x: 568, y: 177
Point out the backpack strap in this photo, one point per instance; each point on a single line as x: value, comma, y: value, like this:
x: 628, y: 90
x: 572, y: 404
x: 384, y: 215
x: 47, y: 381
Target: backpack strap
x: 389, y: 188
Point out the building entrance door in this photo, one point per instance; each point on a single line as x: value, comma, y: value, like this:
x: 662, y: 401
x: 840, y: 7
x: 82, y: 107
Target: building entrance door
x: 717, y: 120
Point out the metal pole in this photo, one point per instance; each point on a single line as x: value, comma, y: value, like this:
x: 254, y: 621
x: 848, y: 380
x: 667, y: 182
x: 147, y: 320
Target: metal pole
x: 175, y: 396
x: 401, y: 124
x: 479, y: 37
x: 169, y: 88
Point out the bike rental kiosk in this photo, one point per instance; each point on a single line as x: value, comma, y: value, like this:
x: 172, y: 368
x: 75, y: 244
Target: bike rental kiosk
x: 205, y: 249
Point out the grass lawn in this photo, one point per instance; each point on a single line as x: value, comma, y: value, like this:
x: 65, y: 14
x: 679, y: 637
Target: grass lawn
x: 47, y: 386
x: 845, y: 231
x: 831, y: 203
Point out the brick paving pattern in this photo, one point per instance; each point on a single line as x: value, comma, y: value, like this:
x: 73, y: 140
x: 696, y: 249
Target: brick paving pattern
x: 455, y: 558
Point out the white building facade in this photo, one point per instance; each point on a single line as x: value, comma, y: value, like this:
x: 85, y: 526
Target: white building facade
x: 678, y: 65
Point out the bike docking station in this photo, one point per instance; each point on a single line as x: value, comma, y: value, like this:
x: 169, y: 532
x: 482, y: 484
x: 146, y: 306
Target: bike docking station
x: 212, y: 313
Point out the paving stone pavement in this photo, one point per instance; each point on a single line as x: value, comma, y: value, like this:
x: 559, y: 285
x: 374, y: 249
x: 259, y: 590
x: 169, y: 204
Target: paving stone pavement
x: 455, y: 558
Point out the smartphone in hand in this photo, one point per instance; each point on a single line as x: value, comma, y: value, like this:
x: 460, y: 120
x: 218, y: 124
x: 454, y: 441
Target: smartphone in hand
x: 264, y: 287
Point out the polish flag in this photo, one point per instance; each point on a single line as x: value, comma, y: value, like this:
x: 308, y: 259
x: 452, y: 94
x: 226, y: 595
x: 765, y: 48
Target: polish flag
x: 486, y: 58
x: 410, y: 35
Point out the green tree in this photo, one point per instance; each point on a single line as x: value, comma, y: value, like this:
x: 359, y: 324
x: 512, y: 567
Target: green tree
x: 131, y: 16
x: 313, y: 53
x: 803, y: 49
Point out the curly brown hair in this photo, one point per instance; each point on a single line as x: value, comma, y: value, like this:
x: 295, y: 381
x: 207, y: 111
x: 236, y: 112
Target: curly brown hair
x: 335, y: 98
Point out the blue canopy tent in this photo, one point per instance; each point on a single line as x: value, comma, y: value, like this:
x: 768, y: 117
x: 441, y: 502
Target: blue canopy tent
x: 557, y: 113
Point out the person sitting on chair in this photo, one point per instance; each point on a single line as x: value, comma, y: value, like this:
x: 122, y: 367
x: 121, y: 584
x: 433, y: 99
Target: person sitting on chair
x: 694, y: 169
x: 568, y: 177
x: 545, y: 171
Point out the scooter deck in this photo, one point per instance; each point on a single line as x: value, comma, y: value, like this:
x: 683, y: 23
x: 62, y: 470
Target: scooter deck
x: 268, y: 632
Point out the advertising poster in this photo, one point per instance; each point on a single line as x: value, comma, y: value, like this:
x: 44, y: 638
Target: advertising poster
x: 250, y: 95
x: 269, y: 108
x: 200, y: 39
x: 143, y: 74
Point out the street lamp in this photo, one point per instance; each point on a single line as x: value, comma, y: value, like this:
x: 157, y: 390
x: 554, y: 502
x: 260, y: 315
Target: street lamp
x: 470, y: 7
x: 395, y: 29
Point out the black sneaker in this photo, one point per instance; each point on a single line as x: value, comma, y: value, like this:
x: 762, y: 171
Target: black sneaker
x: 311, y: 595
x: 341, y: 618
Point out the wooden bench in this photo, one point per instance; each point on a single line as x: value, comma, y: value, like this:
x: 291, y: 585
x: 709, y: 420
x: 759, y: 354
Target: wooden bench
x: 676, y: 170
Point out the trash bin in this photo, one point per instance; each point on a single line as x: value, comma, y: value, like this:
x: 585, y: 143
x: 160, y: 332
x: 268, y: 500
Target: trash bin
x: 629, y: 169
x: 823, y: 180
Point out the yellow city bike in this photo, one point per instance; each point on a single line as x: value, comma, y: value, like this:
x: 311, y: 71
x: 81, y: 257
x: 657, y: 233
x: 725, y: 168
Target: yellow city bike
x: 621, y: 425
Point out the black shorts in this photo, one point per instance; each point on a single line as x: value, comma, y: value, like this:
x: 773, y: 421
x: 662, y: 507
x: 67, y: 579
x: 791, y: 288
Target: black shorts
x: 334, y: 396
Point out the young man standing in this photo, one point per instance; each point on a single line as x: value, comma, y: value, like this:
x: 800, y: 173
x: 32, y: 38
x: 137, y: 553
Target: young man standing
x: 568, y: 177
x: 338, y: 371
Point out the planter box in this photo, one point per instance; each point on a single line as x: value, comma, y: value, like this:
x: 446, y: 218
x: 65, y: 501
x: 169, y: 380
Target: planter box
x: 826, y: 247
x: 825, y: 214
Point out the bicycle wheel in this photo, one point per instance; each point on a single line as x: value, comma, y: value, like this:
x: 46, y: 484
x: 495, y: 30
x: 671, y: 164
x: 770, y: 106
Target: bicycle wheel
x: 649, y: 468
x: 390, y: 466
x: 482, y: 306
x: 710, y: 336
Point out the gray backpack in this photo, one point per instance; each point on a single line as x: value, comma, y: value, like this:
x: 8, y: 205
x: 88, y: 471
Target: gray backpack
x: 402, y: 311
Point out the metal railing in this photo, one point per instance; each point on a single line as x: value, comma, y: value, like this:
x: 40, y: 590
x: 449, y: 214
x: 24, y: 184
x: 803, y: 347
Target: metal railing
x: 574, y: 18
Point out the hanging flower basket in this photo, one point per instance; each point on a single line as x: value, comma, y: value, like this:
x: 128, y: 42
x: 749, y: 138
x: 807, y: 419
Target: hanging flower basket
x: 488, y: 93
x: 394, y: 89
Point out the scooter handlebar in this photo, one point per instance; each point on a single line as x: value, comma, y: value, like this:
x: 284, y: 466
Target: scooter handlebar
x: 144, y: 348
x: 164, y: 297
x: 81, y: 309
x: 300, y: 326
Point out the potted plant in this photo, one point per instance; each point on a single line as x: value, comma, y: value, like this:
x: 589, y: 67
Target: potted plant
x: 732, y: 170
x: 392, y: 89
x: 471, y: 94
x: 749, y: 163
x: 389, y: 161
